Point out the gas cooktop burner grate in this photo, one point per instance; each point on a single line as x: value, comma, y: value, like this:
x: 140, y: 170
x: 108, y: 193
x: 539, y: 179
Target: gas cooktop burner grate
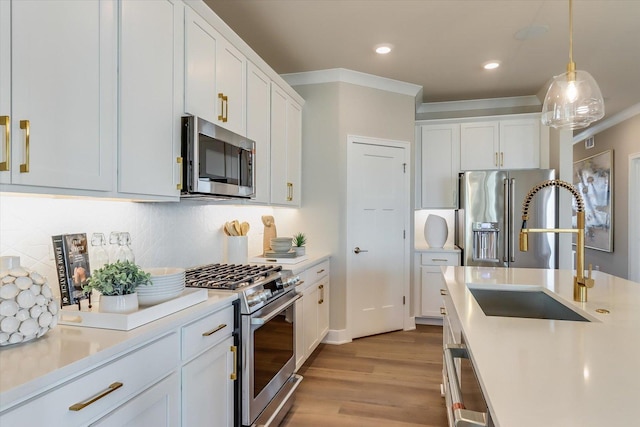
x: 227, y: 276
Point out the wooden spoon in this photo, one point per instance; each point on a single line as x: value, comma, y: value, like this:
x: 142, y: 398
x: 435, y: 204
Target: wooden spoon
x: 236, y: 226
x: 230, y: 229
x: 244, y: 227
x: 224, y: 228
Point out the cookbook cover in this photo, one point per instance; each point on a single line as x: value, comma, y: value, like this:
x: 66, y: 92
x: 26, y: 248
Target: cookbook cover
x: 72, y: 266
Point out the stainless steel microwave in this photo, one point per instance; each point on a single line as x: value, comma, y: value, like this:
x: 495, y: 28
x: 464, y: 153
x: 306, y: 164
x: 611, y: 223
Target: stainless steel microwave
x: 217, y: 162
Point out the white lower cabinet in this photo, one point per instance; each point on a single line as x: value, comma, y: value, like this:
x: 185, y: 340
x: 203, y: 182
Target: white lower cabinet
x: 432, y: 280
x: 207, y: 387
x: 158, y: 406
x: 312, y: 311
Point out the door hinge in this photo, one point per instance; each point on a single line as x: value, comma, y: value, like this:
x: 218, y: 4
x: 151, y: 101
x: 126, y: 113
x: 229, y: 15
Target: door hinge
x: 404, y: 300
x: 404, y: 168
x: 404, y: 234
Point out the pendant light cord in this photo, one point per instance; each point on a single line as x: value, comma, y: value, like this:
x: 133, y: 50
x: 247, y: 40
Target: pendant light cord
x: 571, y: 31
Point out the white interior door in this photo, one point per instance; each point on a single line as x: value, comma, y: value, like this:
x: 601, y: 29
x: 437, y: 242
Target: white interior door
x: 378, y: 207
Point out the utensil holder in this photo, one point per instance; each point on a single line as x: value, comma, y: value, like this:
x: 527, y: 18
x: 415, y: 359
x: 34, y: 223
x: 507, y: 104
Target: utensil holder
x: 236, y: 250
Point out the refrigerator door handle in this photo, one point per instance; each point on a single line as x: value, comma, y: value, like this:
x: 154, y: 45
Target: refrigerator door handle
x: 512, y: 219
x: 506, y: 233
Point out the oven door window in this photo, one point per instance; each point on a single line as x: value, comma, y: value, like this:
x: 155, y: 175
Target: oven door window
x: 223, y: 162
x: 273, y: 348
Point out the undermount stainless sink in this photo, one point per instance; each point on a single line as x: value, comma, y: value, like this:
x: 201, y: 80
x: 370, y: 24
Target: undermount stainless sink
x: 532, y: 304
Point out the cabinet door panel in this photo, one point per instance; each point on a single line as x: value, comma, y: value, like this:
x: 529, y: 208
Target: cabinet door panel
x: 67, y: 94
x: 432, y: 281
x: 207, y: 390
x: 440, y: 161
x: 520, y: 143
x: 150, y: 34
x: 294, y: 151
x: 479, y: 143
x: 258, y: 128
x: 201, y: 97
x: 278, y: 145
x: 231, y: 68
x: 323, y: 309
x: 310, y: 322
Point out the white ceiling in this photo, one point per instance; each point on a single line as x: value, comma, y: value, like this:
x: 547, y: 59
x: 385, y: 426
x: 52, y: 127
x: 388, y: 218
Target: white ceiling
x: 441, y: 44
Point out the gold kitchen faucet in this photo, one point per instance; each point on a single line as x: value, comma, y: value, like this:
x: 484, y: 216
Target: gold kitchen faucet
x: 580, y: 283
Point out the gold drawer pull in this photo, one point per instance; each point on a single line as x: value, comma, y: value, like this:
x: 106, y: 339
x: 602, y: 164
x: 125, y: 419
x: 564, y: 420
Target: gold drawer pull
x: 443, y: 311
x: 6, y: 122
x: 24, y: 124
x: 320, y: 272
x: 81, y: 405
x: 234, y: 375
x: 443, y: 292
x: 213, y: 331
x: 438, y: 260
x: 223, y: 101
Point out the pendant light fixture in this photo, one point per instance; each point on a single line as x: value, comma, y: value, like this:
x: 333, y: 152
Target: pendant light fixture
x: 573, y: 100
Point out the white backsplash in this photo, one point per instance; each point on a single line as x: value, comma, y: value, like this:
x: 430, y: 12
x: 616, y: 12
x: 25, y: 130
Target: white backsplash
x: 181, y: 234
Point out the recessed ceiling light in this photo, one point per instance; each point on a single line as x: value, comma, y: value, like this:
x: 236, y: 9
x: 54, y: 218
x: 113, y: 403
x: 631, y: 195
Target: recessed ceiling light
x: 491, y: 65
x: 383, y: 49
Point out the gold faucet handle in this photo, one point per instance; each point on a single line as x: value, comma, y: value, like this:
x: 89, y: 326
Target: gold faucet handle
x: 589, y: 282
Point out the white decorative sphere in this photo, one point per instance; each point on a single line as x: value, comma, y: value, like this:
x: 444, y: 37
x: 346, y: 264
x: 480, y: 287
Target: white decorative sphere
x: 27, y: 307
x: 435, y: 231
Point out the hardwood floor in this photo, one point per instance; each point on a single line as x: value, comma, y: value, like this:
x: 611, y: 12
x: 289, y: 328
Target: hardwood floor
x: 390, y: 380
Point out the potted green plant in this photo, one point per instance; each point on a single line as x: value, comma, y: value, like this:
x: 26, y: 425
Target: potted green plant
x: 117, y: 282
x: 299, y: 241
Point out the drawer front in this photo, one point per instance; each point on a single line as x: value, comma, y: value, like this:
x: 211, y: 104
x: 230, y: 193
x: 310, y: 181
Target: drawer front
x: 440, y: 258
x: 114, y: 383
x: 317, y: 272
x: 204, y: 333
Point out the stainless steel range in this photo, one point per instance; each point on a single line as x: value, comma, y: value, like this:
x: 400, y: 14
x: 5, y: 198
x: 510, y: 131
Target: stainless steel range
x: 267, y: 333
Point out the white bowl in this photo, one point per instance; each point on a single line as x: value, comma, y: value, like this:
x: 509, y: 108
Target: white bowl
x: 164, y: 271
x: 151, y: 291
x: 156, y: 299
x: 281, y: 244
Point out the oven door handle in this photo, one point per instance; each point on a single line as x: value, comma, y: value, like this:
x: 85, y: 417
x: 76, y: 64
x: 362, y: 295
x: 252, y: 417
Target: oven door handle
x: 273, y: 312
x: 462, y: 417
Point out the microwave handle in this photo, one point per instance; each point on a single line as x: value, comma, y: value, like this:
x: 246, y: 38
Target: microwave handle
x: 462, y: 417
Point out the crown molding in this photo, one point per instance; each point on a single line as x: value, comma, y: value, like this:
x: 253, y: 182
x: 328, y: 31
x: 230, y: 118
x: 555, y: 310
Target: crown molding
x: 342, y: 75
x: 607, y: 123
x: 479, y: 104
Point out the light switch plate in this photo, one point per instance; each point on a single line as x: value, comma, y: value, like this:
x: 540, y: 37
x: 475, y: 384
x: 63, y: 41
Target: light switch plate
x: 589, y: 142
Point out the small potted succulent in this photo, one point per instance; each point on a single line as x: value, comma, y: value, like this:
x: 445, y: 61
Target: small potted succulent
x: 299, y: 241
x: 117, y: 282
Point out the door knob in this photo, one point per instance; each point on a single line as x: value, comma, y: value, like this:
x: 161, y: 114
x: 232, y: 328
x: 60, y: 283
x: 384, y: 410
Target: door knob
x: 357, y: 250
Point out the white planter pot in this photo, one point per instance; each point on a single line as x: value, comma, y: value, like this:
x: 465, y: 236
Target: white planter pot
x: 435, y: 231
x: 300, y: 250
x: 119, y: 303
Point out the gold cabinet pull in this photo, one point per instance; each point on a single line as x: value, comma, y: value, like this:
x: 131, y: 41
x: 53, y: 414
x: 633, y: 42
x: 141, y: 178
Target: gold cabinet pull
x: 438, y: 260
x: 226, y: 109
x: 6, y: 122
x: 81, y: 405
x: 179, y: 161
x: 24, y: 124
x: 214, y: 330
x: 289, y: 191
x: 321, y: 288
x: 443, y: 292
x: 223, y: 102
x: 443, y: 311
x: 320, y: 272
x: 234, y: 374
x: 496, y: 161
x: 502, y: 158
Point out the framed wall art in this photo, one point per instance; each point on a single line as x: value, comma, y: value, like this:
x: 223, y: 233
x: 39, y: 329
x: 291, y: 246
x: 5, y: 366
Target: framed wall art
x: 593, y: 177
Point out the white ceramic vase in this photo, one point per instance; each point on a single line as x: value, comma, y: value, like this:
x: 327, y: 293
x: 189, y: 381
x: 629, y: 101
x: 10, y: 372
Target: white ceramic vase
x: 236, y: 250
x: 435, y: 231
x: 119, y: 303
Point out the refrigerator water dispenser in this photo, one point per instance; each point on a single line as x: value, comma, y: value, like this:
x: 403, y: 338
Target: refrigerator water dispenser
x: 485, y: 241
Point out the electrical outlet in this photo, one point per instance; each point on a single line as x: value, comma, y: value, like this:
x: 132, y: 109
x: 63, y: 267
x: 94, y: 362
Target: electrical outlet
x: 589, y: 142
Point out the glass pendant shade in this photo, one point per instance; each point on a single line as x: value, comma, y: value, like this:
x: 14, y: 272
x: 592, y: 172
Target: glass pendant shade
x: 573, y: 101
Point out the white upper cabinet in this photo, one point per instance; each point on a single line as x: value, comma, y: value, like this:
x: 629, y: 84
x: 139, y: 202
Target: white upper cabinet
x: 504, y: 144
x: 286, y: 143
x: 216, y: 75
x: 57, y: 87
x: 150, y: 93
x: 439, y: 164
x: 258, y: 128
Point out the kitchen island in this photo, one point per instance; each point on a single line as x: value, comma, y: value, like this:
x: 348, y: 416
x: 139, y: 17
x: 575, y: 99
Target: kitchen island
x: 540, y: 372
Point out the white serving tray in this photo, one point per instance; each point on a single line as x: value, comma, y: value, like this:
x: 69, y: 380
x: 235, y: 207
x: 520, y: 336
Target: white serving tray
x: 92, y: 318
x: 270, y: 260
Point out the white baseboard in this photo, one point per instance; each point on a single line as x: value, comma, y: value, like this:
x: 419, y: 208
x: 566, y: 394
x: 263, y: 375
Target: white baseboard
x: 429, y: 321
x: 337, y: 336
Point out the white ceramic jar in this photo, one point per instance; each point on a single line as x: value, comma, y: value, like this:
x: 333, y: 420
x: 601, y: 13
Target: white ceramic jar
x: 27, y: 307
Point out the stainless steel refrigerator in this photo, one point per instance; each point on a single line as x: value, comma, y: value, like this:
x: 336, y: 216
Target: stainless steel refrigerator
x: 489, y: 218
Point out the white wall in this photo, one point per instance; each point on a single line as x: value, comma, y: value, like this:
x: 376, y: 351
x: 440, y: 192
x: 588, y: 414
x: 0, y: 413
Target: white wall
x: 181, y: 234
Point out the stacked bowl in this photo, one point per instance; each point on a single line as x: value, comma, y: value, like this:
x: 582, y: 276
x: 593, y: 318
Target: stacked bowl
x: 166, y: 284
x: 281, y: 244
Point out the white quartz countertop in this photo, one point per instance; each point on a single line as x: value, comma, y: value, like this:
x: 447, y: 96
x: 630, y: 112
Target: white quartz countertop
x: 537, y: 372
x: 312, y: 259
x: 26, y: 369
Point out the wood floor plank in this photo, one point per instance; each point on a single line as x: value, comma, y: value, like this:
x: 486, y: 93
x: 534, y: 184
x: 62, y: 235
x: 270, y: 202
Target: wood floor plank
x: 387, y: 380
